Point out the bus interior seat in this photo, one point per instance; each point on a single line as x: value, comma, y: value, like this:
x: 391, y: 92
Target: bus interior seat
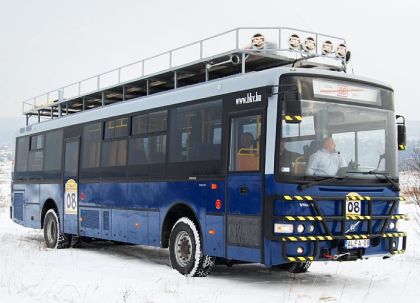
x: 299, y: 166
x: 314, y: 146
x: 247, y: 159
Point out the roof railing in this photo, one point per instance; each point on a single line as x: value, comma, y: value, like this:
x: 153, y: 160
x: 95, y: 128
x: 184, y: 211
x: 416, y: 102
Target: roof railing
x: 199, y: 51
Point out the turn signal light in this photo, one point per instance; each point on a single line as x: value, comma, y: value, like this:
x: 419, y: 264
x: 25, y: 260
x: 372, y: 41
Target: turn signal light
x: 218, y: 204
x: 213, y: 186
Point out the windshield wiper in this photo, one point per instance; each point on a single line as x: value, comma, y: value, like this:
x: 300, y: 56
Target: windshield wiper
x: 377, y: 174
x: 322, y: 181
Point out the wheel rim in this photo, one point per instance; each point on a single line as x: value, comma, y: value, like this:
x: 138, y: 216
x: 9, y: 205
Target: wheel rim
x: 183, y: 248
x: 51, y: 231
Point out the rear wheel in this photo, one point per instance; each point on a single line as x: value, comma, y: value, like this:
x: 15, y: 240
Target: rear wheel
x: 52, y: 235
x: 185, y: 251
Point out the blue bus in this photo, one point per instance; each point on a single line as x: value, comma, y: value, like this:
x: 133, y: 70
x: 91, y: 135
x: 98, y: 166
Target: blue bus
x: 270, y: 155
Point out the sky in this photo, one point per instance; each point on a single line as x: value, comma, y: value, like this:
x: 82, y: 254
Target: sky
x: 46, y: 44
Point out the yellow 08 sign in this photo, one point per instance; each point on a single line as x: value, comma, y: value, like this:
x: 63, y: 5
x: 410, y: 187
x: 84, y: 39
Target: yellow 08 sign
x: 70, y: 197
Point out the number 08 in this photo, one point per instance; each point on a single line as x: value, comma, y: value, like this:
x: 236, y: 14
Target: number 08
x: 71, y: 200
x: 353, y: 207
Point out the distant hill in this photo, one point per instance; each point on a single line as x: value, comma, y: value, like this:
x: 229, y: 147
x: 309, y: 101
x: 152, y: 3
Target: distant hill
x: 9, y: 127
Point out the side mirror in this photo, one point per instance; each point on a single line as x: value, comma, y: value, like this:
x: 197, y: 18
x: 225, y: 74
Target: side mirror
x: 401, y: 134
x: 293, y: 107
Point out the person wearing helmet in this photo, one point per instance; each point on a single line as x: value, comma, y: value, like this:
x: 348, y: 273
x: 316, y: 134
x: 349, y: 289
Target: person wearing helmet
x: 259, y: 43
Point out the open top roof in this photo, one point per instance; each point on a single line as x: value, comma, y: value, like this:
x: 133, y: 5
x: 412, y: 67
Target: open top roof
x: 222, y: 55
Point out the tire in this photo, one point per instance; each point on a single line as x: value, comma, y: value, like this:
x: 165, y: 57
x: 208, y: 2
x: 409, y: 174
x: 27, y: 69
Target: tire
x: 185, y: 251
x: 52, y: 235
x: 296, y: 267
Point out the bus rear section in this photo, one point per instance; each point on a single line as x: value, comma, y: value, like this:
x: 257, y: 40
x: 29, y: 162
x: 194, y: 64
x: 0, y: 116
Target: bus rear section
x: 345, y: 208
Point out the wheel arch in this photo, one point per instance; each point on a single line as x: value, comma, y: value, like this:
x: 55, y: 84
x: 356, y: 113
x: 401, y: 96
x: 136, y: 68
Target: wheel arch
x: 48, y: 204
x: 174, y: 213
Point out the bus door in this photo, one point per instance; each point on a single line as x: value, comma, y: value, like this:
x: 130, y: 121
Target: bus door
x: 244, y: 187
x: 71, y: 184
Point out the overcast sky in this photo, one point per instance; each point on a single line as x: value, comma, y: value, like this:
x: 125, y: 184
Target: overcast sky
x: 46, y: 44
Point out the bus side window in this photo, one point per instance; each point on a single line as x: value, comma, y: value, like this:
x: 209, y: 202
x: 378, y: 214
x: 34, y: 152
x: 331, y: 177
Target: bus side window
x: 245, y: 145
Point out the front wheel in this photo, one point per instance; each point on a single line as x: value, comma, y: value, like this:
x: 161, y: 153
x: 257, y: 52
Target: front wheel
x: 294, y: 267
x: 52, y: 235
x: 185, y: 251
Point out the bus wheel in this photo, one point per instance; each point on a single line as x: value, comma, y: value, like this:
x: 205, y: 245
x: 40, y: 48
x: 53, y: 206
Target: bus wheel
x: 297, y: 267
x: 52, y: 236
x: 185, y: 251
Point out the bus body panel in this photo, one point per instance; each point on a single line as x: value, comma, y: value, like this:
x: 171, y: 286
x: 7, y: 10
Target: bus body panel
x: 139, y: 218
x: 134, y: 212
x: 273, y: 249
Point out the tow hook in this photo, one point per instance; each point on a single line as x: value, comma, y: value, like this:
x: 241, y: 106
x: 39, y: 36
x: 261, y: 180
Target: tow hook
x: 336, y: 257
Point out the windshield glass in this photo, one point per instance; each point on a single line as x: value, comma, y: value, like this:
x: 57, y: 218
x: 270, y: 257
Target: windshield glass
x: 336, y: 139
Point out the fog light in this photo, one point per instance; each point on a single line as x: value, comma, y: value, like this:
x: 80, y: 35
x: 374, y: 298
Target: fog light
x: 392, y: 225
x: 300, y: 228
x: 299, y: 250
x: 283, y: 228
x: 311, y: 228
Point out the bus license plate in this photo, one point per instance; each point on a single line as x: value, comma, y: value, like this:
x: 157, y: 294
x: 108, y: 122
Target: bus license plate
x: 357, y: 243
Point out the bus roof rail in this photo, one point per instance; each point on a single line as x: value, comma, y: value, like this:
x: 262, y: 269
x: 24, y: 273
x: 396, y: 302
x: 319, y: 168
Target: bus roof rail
x: 231, y: 52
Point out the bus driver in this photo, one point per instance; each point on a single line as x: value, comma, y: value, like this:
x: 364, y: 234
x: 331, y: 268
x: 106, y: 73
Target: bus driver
x: 326, y: 161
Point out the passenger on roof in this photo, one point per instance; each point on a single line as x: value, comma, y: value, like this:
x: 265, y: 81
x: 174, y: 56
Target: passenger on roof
x: 326, y: 161
x: 258, y: 42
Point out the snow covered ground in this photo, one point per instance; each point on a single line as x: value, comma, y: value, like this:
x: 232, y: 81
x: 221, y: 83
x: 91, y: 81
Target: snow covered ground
x: 106, y: 272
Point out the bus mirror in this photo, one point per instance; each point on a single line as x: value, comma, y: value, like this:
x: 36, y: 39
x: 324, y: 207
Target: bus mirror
x: 293, y: 107
x: 401, y: 134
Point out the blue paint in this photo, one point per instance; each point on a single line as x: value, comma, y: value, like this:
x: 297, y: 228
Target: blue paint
x: 214, y: 244
x: 135, y: 212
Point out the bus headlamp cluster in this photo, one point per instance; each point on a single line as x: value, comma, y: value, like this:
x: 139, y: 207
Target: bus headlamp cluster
x: 287, y: 228
x: 309, y: 46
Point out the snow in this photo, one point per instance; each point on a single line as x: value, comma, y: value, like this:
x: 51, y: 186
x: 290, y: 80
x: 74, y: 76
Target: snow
x: 108, y: 272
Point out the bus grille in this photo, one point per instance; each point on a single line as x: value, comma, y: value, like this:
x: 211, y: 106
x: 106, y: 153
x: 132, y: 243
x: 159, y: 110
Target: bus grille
x: 18, y: 206
x: 90, y: 218
x: 105, y: 218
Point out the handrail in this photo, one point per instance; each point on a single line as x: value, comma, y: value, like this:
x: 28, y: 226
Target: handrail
x: 32, y: 104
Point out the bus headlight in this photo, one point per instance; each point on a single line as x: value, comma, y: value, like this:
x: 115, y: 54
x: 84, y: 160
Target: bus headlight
x: 283, y: 228
x: 299, y: 250
x: 392, y: 225
x: 311, y: 228
x: 300, y: 228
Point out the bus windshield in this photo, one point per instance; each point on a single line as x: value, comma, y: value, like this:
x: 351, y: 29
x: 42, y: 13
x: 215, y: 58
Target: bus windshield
x: 336, y: 139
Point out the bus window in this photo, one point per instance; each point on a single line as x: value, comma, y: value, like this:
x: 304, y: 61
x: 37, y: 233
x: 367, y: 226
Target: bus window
x: 116, y: 128
x: 53, y: 150
x: 244, y: 143
x: 22, y: 155
x: 114, y: 153
x: 371, y: 145
x: 91, y: 145
x: 197, y: 135
x: 345, y: 143
x: 147, y: 150
x: 148, y: 146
